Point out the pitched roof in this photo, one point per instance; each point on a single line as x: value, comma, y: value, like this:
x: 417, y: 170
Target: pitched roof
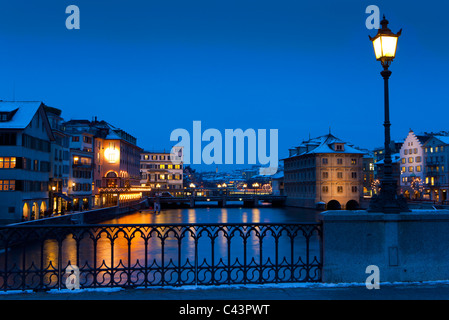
x: 444, y: 139
x: 22, y: 117
x: 323, y: 144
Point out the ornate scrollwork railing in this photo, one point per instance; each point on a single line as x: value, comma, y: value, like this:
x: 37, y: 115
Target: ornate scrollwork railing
x: 39, y: 257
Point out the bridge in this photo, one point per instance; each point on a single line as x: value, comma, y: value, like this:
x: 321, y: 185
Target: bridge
x: 220, y: 197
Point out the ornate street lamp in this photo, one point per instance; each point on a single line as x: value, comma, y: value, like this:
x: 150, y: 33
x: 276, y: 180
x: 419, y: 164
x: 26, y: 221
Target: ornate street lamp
x: 388, y: 200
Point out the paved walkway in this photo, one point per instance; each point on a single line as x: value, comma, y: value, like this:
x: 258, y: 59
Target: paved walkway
x: 413, y: 291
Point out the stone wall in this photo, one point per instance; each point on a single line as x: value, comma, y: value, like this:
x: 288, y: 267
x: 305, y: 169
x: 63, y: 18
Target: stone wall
x: 406, y: 247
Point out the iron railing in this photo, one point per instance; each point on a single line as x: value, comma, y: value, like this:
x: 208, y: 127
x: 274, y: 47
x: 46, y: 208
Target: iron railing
x: 40, y: 257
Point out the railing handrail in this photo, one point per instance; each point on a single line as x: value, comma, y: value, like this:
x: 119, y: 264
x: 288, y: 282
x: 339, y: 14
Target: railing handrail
x: 183, y: 224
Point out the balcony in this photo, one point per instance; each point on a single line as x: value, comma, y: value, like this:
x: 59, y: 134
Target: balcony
x: 83, y: 165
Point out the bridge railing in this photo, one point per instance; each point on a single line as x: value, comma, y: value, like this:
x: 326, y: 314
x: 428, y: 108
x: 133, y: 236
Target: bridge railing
x: 95, y: 256
x: 208, y: 192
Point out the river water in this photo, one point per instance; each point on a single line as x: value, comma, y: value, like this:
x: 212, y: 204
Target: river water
x: 233, y: 214
x: 171, y: 255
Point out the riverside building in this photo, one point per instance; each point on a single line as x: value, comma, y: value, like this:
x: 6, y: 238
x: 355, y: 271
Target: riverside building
x: 25, y: 151
x: 324, y: 172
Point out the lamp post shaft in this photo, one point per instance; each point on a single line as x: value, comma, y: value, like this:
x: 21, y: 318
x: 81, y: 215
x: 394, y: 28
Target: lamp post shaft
x: 388, y: 200
x: 388, y: 170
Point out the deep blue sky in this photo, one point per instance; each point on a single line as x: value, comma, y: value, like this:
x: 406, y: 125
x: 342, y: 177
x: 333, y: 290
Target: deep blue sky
x: 150, y: 67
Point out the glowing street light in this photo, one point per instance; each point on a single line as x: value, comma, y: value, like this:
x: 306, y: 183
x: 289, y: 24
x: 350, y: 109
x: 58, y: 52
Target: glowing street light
x: 387, y: 201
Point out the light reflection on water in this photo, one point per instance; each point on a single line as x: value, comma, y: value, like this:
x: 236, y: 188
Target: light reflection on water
x: 220, y: 215
x: 113, y: 249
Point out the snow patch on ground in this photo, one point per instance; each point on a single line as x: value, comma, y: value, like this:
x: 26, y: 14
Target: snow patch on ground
x: 307, y: 285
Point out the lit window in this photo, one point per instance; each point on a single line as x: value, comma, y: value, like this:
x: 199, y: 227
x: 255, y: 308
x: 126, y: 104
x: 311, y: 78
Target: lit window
x: 7, y: 162
x: 410, y: 169
x: 410, y: 160
x: 7, y: 185
x: 418, y: 168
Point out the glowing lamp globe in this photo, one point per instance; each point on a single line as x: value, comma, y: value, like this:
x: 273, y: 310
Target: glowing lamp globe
x: 385, y: 43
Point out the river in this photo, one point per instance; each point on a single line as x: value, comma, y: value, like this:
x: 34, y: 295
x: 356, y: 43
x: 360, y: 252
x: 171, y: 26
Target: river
x: 166, y: 254
x: 232, y: 214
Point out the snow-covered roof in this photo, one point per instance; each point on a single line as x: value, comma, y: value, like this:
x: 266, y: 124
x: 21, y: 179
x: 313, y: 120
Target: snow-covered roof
x: 22, y: 117
x: 324, y: 144
x: 444, y: 139
x: 395, y: 158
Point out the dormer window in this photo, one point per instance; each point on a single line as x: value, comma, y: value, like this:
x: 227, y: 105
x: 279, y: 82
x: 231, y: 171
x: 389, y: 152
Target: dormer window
x: 339, y: 147
x: 3, y: 116
x: 7, y: 116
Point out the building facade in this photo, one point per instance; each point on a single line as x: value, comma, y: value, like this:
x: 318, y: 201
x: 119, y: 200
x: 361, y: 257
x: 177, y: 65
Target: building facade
x: 25, y: 151
x: 159, y: 172
x: 324, y: 171
x: 412, y: 164
x: 436, y: 177
x: 115, y: 161
x: 59, y: 167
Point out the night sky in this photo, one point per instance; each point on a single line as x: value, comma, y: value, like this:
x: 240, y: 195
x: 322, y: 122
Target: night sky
x: 150, y: 67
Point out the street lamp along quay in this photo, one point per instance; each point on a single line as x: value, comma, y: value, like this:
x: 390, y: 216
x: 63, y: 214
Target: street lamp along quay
x: 388, y: 200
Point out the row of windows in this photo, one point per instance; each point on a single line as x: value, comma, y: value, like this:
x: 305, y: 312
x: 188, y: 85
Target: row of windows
x: 82, y: 187
x: 162, y: 157
x: 411, y: 169
x: 311, y: 161
x: 8, y: 139
x: 86, y: 139
x: 411, y: 159
x: 410, y: 151
x: 35, y: 143
x: 339, y: 161
x: 7, y: 185
x: 155, y: 157
x: 161, y: 176
x: 432, y: 149
x: 23, y: 185
x: 161, y: 166
x: 419, y: 159
x: 7, y: 162
x: 325, y: 189
x: 339, y: 175
x: 86, y: 174
x: 24, y: 163
x: 311, y: 189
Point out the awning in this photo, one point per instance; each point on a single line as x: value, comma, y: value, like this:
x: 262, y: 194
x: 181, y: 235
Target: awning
x: 63, y: 196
